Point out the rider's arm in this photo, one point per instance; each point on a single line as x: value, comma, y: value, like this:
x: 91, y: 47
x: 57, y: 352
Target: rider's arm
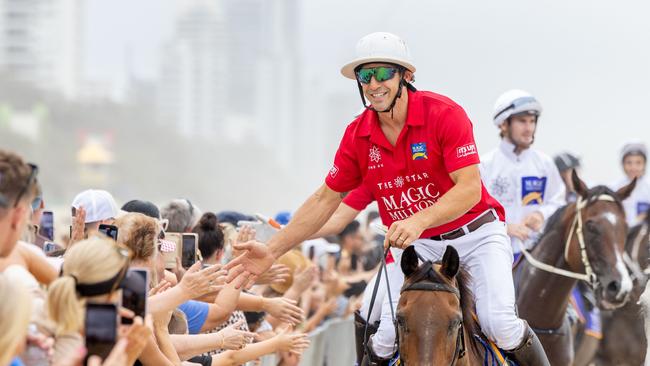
x: 311, y: 216
x: 343, y: 215
x: 464, y: 195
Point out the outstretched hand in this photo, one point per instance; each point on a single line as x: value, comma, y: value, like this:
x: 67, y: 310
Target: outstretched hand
x: 256, y: 259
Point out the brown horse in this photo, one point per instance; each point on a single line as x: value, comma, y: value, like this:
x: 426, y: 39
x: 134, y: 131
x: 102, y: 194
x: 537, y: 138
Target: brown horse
x: 435, y: 318
x: 583, y: 240
x: 624, y: 341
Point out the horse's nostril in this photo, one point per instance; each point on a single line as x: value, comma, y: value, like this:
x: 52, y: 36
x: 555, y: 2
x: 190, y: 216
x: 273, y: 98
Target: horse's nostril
x: 613, y: 288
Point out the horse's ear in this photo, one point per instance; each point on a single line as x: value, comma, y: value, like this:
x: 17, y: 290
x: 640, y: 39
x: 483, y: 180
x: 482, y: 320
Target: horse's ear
x: 409, y: 261
x: 578, y: 184
x: 450, y: 262
x: 625, y: 191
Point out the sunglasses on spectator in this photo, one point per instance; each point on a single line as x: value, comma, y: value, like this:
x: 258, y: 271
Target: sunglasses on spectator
x: 381, y: 73
x: 30, y: 181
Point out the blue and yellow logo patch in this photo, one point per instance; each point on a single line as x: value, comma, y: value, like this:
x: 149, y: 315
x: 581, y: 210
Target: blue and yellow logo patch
x: 532, y: 190
x: 419, y: 151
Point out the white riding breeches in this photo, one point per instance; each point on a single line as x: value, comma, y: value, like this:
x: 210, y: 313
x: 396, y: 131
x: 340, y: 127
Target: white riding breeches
x: 487, y: 255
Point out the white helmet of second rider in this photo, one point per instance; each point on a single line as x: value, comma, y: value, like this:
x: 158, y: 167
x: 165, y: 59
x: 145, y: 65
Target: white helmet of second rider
x: 515, y: 102
x: 379, y: 47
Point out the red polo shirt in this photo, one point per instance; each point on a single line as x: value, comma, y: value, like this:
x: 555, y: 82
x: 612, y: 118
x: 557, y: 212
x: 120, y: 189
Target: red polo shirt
x: 436, y: 140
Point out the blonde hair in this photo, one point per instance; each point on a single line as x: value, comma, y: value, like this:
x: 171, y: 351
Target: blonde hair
x: 15, y: 313
x: 139, y: 233
x: 90, y: 261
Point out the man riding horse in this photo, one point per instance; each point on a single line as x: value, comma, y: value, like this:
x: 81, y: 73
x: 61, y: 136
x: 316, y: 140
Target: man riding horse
x: 523, y: 179
x: 415, y: 151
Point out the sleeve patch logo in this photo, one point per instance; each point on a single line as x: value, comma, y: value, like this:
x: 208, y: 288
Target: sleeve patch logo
x: 419, y: 151
x: 532, y: 190
x: 642, y: 207
x: 466, y: 150
x: 334, y: 171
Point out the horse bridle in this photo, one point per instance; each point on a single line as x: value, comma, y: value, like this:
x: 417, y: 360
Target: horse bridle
x: 422, y: 283
x: 632, y: 261
x: 576, y: 226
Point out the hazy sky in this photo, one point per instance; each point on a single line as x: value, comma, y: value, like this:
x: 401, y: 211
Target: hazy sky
x: 586, y: 61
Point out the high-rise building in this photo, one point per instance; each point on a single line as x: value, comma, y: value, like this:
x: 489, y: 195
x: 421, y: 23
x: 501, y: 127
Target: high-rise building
x: 40, y: 43
x: 194, y: 70
x: 265, y: 84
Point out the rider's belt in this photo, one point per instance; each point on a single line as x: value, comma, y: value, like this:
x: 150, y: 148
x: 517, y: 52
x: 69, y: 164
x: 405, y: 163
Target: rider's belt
x: 487, y: 217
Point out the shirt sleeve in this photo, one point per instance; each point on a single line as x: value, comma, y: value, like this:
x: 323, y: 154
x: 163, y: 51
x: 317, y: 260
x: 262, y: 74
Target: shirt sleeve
x: 345, y: 174
x: 359, y: 198
x: 456, y: 139
x: 555, y: 192
x: 196, y: 313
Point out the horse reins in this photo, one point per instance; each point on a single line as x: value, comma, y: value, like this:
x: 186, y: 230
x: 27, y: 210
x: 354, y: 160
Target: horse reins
x: 589, y: 276
x: 633, y: 262
x: 419, y: 284
x: 372, y: 304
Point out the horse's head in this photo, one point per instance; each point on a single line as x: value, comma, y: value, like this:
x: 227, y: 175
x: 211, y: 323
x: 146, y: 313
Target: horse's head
x: 599, y: 221
x: 434, y: 306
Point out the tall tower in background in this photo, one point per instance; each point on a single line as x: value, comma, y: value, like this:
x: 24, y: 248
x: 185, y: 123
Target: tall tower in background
x: 266, y: 73
x: 232, y: 71
x: 195, y: 69
x: 40, y: 43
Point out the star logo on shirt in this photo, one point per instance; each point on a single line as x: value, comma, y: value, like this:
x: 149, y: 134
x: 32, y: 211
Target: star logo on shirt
x: 399, y: 182
x: 500, y: 186
x: 375, y: 154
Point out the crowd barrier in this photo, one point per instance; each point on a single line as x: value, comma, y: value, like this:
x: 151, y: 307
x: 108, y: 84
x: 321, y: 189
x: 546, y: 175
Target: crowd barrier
x: 331, y: 344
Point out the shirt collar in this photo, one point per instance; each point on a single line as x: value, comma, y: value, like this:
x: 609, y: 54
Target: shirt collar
x: 508, y: 149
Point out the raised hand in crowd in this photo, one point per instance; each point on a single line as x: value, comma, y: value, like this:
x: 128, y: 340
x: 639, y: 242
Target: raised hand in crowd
x: 284, y: 310
x: 197, y: 282
x: 277, y: 274
x: 234, y: 338
x: 301, y: 282
x: 294, y: 343
x: 137, y: 335
x: 78, y: 226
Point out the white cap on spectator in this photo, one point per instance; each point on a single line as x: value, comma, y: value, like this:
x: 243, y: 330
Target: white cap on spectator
x: 99, y: 205
x: 321, y: 246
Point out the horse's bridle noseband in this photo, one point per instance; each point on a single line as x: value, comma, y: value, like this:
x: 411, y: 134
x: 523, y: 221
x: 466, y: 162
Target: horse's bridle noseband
x: 420, y: 282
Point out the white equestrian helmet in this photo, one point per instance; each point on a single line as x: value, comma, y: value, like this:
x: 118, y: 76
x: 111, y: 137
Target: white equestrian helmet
x: 514, y: 102
x: 634, y: 147
x: 379, y: 47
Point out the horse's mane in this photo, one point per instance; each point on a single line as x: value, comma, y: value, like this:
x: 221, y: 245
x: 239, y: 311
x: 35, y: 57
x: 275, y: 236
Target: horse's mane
x: 558, y: 215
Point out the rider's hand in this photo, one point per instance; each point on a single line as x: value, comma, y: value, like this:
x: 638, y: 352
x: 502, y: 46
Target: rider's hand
x: 519, y: 231
x: 402, y: 233
x: 255, y: 260
x: 534, y: 221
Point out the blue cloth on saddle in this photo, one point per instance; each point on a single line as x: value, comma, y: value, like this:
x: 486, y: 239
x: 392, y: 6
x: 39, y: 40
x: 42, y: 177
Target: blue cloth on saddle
x: 494, y: 356
x: 590, y: 318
